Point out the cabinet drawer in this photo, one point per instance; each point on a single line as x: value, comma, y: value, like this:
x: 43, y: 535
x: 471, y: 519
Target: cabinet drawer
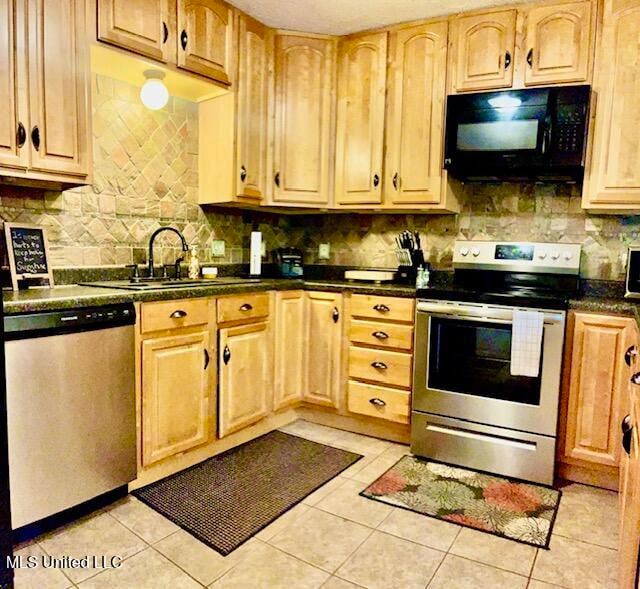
x: 391, y: 308
x: 172, y: 314
x: 382, y: 366
x: 382, y: 335
x: 375, y: 401
x: 241, y: 307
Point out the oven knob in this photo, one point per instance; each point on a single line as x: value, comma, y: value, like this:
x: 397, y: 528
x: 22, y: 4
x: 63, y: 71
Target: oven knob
x: 555, y: 255
x: 476, y: 252
x: 568, y: 256
x: 542, y: 255
x: 464, y: 251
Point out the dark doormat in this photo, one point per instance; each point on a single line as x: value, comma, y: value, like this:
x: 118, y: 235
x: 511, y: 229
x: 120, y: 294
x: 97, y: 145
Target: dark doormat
x: 521, y: 511
x: 227, y: 499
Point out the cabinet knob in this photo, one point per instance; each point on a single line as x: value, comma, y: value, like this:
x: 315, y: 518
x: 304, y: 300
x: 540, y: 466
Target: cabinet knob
x: 396, y: 180
x: 377, y: 402
x: 226, y: 355
x: 376, y: 180
x: 206, y: 358
x: 627, y: 432
x: 246, y: 307
x: 35, y: 137
x: 243, y: 173
x: 183, y: 39
x: 635, y: 379
x: 178, y: 314
x: 630, y: 355
x: 165, y: 32
x: 379, y: 365
x: 381, y: 308
x: 530, y: 57
x: 276, y: 179
x: 335, y: 315
x: 380, y: 335
x: 507, y: 60
x: 21, y: 135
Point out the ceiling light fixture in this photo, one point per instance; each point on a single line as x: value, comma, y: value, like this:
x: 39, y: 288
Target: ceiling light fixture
x: 154, y: 93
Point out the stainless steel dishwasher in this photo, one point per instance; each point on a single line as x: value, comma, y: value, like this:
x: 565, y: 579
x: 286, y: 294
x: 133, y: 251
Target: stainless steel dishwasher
x: 70, y: 407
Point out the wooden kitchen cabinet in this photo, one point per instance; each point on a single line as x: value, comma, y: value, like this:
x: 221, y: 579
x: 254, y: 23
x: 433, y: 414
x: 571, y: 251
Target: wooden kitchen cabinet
x: 612, y: 177
x: 323, y: 336
x: 176, y: 392
x: 558, y: 43
x: 362, y: 68
x: 233, y: 127
x: 289, y: 348
x: 304, y: 96
x: 206, y: 38
x: 146, y: 27
x: 45, y: 137
x: 415, y: 115
x: 245, y: 376
x: 594, y: 393
x: 484, y: 48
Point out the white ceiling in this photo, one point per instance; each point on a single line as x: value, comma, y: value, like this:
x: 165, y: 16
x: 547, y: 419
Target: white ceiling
x: 338, y: 17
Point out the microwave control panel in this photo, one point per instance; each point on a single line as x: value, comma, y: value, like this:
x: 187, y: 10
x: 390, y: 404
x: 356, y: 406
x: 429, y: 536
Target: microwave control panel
x: 570, y: 127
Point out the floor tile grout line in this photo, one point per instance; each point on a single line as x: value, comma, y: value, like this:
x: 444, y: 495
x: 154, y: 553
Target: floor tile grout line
x: 177, y: 566
x: 583, y: 541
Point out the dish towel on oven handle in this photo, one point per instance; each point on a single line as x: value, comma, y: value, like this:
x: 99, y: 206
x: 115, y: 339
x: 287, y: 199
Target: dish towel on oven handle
x: 526, y: 342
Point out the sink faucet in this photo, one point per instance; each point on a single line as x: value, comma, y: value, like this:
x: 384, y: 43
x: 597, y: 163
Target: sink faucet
x: 185, y: 248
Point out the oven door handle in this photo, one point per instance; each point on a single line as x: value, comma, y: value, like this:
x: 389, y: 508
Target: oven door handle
x: 481, y: 318
x: 462, y: 433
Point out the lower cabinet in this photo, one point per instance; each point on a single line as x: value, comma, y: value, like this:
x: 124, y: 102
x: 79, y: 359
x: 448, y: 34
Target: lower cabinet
x: 245, y: 376
x: 596, y: 375
x: 176, y: 394
x: 323, y: 343
x: 289, y: 348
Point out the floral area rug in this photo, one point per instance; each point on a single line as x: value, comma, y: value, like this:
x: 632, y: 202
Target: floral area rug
x: 520, y: 511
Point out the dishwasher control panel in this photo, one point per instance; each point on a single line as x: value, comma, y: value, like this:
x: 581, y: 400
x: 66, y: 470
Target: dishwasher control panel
x: 52, y: 322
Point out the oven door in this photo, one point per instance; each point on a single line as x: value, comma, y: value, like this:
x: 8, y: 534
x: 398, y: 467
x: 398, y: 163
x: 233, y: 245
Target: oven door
x: 462, y: 367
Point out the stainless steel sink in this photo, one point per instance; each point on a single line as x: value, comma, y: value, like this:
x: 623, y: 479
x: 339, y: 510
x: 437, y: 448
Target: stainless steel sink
x: 164, y: 283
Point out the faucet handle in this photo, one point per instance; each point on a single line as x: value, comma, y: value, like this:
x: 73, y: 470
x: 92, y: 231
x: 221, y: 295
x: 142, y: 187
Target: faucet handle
x: 135, y: 271
x: 177, y: 267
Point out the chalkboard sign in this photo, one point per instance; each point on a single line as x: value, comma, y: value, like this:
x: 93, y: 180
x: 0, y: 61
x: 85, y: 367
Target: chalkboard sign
x: 27, y: 249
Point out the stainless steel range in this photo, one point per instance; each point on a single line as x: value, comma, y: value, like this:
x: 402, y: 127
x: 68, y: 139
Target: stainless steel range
x: 486, y: 384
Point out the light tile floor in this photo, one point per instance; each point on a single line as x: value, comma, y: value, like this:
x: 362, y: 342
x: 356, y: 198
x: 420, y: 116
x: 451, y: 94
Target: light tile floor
x: 336, y: 539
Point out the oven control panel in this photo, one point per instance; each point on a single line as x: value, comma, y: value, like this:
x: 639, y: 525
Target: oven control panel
x: 509, y: 256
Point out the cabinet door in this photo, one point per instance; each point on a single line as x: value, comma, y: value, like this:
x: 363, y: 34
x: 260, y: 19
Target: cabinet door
x: 13, y: 89
x: 360, y: 118
x: 289, y: 348
x: 59, y: 87
x: 205, y: 38
x: 484, y: 49
x: 417, y: 89
x: 630, y: 497
x: 323, y: 335
x: 597, y: 387
x: 305, y: 77
x: 558, y: 43
x: 252, y: 109
x: 144, y: 26
x: 613, y: 176
x: 245, y: 376
x: 176, y: 389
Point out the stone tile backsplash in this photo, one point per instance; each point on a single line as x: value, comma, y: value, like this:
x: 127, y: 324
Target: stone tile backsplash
x: 146, y: 175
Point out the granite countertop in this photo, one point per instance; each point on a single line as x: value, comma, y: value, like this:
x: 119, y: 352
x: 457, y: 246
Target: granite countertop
x: 76, y: 296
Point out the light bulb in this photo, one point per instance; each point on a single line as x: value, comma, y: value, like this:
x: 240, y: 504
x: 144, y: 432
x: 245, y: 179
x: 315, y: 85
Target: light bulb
x: 154, y: 94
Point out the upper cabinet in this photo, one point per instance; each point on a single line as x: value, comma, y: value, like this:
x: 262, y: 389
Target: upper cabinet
x: 233, y: 126
x: 415, y: 115
x: 612, y: 179
x: 362, y: 63
x: 44, y: 83
x: 484, y: 46
x: 558, y: 43
x: 196, y: 35
x: 146, y: 26
x: 533, y: 45
x: 205, y: 38
x: 303, y: 104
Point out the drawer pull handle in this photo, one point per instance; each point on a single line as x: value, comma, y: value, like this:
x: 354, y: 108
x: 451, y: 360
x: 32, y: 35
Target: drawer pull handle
x: 178, y: 314
x: 635, y: 379
x: 630, y: 355
x: 226, y: 355
x: 246, y: 307
x: 627, y: 432
x: 381, y: 308
x: 377, y: 402
x: 379, y: 365
x: 380, y: 335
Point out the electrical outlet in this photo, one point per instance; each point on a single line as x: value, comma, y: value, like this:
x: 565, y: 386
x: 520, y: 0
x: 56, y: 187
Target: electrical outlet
x: 263, y: 248
x: 324, y: 251
x: 217, y: 248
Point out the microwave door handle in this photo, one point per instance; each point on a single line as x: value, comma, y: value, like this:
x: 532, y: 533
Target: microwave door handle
x: 546, y: 136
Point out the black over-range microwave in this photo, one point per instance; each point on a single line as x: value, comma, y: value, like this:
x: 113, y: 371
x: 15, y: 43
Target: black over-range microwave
x: 533, y: 134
